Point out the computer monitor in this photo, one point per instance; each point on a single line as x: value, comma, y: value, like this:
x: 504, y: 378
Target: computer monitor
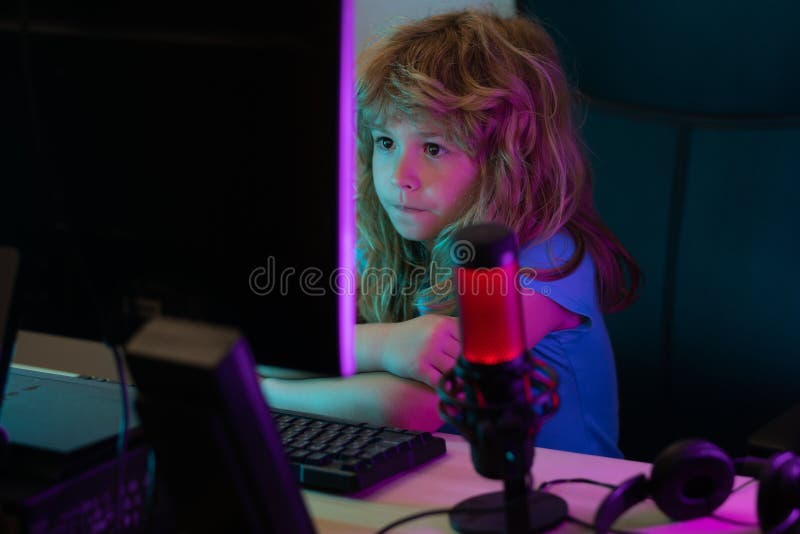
x: 191, y: 160
x: 216, y: 445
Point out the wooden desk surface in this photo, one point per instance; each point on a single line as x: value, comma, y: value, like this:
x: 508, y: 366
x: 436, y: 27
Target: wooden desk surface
x: 446, y: 481
x: 441, y: 483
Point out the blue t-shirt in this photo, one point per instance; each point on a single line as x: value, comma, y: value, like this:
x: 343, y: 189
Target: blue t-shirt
x: 587, y: 420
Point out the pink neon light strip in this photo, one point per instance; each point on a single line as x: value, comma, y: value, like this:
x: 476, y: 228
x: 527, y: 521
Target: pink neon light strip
x: 347, y: 240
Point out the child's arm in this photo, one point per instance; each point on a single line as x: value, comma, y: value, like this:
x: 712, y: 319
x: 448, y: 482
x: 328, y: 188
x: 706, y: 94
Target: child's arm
x: 543, y: 315
x: 377, y: 398
x: 420, y: 349
x: 424, y: 347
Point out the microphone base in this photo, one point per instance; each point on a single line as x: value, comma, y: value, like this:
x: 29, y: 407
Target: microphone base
x: 545, y: 511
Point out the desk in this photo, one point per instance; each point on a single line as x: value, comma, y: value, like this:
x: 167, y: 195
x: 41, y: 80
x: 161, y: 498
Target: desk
x: 446, y: 481
x: 441, y: 483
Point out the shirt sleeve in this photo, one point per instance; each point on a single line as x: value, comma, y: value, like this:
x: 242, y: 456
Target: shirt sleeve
x: 575, y: 292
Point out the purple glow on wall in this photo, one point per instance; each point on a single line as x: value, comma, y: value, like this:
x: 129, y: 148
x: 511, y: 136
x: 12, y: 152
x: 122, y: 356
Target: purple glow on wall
x: 347, y: 303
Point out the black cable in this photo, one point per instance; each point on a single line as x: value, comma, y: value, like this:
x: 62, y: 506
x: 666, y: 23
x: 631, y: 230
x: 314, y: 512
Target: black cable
x: 580, y: 522
x: 557, y: 481
x: 751, y: 481
x: 437, y: 511
x: 730, y: 519
x: 495, y: 510
x: 570, y: 518
x: 122, y: 436
x: 150, y: 492
x: 413, y: 517
x: 502, y: 508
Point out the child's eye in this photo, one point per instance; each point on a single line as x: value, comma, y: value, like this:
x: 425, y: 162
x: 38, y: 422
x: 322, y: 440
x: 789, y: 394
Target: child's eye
x: 434, y: 150
x: 384, y: 143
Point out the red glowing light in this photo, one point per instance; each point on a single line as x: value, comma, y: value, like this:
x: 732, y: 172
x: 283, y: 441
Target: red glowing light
x: 491, y: 314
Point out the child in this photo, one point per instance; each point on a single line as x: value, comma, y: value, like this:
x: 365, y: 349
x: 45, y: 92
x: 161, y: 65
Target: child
x: 462, y: 118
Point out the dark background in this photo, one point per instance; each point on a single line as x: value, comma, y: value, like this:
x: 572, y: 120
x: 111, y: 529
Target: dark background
x: 154, y: 153
x: 692, y: 120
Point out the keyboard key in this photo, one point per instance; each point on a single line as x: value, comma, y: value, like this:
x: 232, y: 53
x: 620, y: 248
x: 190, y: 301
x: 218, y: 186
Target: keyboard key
x: 341, y: 441
x: 298, y: 455
x: 336, y: 456
x: 317, y: 458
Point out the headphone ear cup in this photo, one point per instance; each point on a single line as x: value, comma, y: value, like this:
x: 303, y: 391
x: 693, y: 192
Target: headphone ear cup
x: 691, y: 478
x: 630, y: 492
x: 778, y: 503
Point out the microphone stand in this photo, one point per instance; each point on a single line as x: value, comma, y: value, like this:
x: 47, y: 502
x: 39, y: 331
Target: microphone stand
x: 501, y: 436
x: 517, y: 517
x: 499, y: 393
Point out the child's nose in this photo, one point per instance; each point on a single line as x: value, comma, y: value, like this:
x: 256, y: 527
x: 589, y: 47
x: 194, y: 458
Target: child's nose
x: 405, y: 174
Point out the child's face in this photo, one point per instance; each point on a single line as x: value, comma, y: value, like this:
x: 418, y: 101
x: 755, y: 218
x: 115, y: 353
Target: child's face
x: 420, y: 177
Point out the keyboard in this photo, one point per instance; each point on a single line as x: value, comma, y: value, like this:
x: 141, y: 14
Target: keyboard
x: 340, y: 456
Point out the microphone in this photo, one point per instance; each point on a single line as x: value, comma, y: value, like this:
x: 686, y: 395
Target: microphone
x: 499, y: 393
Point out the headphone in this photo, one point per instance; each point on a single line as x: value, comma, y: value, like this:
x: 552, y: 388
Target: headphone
x: 692, y: 478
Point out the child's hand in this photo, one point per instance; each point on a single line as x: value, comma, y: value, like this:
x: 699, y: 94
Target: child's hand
x: 422, y: 348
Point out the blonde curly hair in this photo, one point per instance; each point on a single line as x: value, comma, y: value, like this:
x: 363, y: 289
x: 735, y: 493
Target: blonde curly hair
x: 496, y: 87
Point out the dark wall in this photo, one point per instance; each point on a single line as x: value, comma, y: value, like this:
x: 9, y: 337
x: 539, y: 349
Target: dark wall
x: 692, y: 120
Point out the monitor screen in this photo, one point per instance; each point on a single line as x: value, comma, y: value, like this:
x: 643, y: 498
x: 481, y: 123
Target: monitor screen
x: 188, y: 161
